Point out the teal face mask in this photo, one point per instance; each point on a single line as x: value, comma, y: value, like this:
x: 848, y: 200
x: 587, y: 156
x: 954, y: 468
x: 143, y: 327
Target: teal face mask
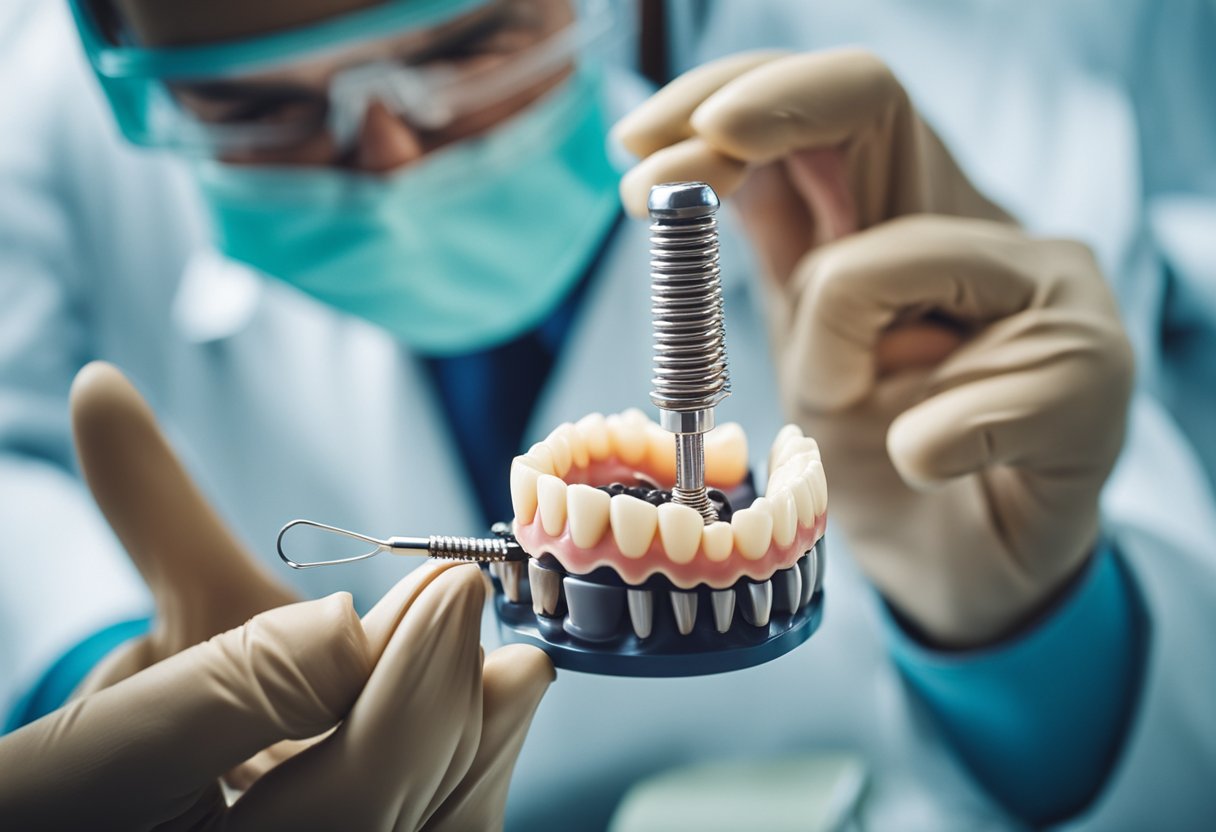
x: 466, y: 249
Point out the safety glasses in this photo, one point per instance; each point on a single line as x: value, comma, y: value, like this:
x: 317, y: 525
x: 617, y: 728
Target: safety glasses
x: 428, y: 62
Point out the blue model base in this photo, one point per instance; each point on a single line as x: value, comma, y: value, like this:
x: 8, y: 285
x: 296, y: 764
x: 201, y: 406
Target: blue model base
x: 666, y: 653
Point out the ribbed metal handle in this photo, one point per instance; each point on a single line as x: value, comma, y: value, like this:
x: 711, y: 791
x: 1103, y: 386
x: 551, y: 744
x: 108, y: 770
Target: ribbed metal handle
x: 474, y: 549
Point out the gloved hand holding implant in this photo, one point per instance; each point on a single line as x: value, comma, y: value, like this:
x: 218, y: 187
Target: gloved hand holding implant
x: 967, y: 382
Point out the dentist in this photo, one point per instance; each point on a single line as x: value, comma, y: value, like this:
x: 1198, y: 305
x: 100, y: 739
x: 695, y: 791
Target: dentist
x: 374, y: 248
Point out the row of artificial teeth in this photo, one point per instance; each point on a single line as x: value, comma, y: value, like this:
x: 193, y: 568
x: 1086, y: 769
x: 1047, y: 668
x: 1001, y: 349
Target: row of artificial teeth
x: 795, y: 466
x: 634, y: 440
x: 797, y: 496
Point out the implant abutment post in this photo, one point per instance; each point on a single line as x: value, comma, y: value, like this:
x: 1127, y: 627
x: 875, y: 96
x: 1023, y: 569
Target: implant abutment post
x: 690, y: 370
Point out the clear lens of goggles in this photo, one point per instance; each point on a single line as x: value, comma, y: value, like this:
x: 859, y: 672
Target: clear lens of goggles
x: 441, y: 60
x: 433, y: 97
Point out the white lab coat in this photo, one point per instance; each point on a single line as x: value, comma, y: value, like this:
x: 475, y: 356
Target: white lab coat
x: 283, y: 408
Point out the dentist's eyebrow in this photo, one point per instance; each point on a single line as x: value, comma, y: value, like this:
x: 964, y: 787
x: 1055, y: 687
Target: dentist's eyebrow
x: 464, y: 33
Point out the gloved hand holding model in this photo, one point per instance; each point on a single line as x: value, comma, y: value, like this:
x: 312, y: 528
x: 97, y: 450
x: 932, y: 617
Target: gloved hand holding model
x: 427, y: 731
x: 967, y: 382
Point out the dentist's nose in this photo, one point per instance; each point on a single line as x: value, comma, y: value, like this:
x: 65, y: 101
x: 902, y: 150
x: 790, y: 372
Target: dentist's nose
x: 385, y: 142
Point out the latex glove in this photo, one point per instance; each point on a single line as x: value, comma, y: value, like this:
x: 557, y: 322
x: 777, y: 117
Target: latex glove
x: 968, y: 383
x: 425, y: 736
x: 202, y: 580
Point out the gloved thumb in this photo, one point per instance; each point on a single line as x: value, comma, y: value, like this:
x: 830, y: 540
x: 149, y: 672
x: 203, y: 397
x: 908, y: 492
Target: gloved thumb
x: 202, y: 578
x: 1041, y: 391
x: 171, y: 730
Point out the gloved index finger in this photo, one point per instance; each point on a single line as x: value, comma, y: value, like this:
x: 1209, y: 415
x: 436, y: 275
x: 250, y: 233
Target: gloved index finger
x: 382, y: 620
x: 186, y: 554
x: 852, y: 291
x: 421, y: 710
x: 515, y: 678
x: 663, y: 119
x: 798, y: 102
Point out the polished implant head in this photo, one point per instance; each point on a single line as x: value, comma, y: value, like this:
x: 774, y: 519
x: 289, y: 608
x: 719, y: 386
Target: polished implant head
x: 682, y: 200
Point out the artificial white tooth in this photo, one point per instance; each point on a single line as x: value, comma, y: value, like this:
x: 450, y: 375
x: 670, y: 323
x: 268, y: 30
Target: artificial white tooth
x: 641, y: 611
x: 512, y: 574
x: 587, y: 513
x: 594, y: 431
x: 637, y: 416
x: 574, y: 440
x: 788, y: 471
x: 795, y: 446
x: 523, y: 490
x: 684, y: 605
x: 803, y: 501
x: 760, y: 597
x: 551, y: 501
x: 724, y: 609
x: 789, y: 467
x: 818, y: 481
x: 634, y: 523
x: 753, y: 529
x: 798, y: 462
x: 779, y: 479
x: 546, y: 589
x: 579, y: 453
x: 542, y: 458
x: 496, y: 569
x: 560, y: 448
x: 787, y: 432
x: 806, y: 444
x: 726, y: 454
x: 785, y: 517
x: 680, y: 529
x: 661, y: 451
x: 542, y: 461
x: 717, y: 540
x: 628, y: 439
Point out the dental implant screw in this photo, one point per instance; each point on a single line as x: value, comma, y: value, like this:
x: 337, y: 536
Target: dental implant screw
x: 690, y: 371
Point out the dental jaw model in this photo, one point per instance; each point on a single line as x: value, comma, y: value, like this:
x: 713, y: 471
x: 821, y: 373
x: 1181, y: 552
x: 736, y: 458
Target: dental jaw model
x: 621, y: 579
x: 649, y: 552
x: 641, y: 548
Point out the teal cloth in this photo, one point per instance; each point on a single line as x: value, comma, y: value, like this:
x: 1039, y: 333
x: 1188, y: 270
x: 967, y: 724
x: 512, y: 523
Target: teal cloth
x: 1039, y: 720
x: 59, y: 680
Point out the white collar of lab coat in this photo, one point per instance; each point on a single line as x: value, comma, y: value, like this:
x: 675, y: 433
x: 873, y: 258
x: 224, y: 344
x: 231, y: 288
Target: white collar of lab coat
x: 216, y: 297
